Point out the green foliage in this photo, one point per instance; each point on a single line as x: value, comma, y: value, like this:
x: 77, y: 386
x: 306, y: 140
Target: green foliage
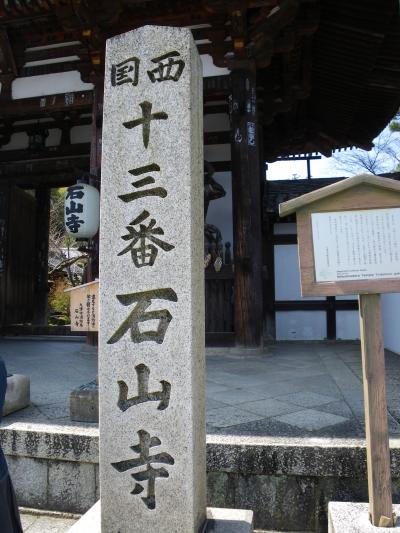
x: 59, y: 303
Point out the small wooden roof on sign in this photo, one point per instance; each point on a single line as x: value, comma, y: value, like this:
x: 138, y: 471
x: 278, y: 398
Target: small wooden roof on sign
x: 287, y: 208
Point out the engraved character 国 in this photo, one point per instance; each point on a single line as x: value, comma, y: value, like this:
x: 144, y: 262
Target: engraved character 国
x: 125, y: 72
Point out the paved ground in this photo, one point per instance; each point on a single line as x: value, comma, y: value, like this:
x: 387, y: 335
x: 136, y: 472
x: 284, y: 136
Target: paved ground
x: 304, y: 389
x: 36, y: 523
x: 41, y: 523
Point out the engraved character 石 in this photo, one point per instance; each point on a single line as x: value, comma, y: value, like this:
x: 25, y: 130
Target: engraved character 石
x: 143, y: 373
x: 139, y: 315
x: 138, y: 184
x: 144, y: 254
x: 145, y: 121
x: 150, y: 473
x: 169, y: 68
x: 125, y: 72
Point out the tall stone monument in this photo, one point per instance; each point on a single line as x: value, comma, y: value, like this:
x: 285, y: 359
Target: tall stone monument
x: 151, y: 338
x: 151, y: 332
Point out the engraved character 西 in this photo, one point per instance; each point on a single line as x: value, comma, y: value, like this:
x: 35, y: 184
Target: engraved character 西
x: 169, y: 68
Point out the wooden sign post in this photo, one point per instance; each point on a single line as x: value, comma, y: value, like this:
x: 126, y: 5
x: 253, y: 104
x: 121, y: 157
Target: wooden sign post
x: 84, y: 307
x: 349, y: 243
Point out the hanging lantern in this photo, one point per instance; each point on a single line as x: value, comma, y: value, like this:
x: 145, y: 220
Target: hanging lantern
x: 82, y: 211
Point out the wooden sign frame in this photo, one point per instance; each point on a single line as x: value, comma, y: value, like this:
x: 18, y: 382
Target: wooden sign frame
x: 364, y: 192
x: 78, y: 297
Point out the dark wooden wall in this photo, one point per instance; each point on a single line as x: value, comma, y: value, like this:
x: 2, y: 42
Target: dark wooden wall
x: 219, y: 299
x: 18, y: 210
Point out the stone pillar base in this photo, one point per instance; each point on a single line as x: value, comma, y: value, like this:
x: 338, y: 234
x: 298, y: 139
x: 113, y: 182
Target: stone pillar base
x: 18, y: 394
x: 84, y: 403
x: 218, y: 521
x: 349, y: 517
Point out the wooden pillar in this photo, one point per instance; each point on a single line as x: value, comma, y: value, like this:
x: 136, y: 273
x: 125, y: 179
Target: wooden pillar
x: 248, y: 314
x: 95, y: 176
x: 331, y: 318
x: 376, y: 422
x: 41, y: 257
x: 95, y: 167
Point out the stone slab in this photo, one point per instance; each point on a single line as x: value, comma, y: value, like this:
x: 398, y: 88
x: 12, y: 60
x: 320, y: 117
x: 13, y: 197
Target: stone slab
x: 350, y: 517
x: 84, y: 403
x: 228, y: 521
x: 151, y: 333
x: 17, y: 393
x: 218, y: 521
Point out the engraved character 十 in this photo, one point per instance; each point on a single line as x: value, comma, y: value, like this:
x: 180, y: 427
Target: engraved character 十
x: 145, y: 121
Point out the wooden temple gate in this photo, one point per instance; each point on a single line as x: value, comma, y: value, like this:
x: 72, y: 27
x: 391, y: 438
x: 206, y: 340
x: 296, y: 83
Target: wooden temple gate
x: 304, y: 76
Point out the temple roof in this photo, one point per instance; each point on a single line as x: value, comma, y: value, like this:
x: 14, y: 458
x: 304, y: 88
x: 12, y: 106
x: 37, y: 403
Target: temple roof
x: 327, y: 70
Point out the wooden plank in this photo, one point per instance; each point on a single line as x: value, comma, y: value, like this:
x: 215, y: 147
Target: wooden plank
x: 315, y: 305
x: 217, y: 137
x: 376, y: 424
x: 41, y: 256
x: 363, y: 196
x: 291, y: 206
x: 282, y: 239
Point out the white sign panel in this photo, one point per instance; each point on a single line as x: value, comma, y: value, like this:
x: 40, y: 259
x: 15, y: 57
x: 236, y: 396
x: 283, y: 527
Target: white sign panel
x: 356, y: 245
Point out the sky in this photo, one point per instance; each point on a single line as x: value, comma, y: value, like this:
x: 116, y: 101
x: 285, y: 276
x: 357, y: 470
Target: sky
x: 326, y: 167
x: 320, y: 168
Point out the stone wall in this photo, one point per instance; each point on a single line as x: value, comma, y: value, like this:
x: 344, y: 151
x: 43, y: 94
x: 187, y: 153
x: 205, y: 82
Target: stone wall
x: 287, y: 482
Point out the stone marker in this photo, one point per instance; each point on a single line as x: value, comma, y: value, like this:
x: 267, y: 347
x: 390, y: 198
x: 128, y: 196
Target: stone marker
x: 151, y: 338
x: 18, y: 395
x: 350, y: 517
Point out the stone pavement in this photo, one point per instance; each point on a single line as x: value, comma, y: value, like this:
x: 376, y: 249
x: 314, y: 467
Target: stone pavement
x: 291, y: 390
x: 37, y: 522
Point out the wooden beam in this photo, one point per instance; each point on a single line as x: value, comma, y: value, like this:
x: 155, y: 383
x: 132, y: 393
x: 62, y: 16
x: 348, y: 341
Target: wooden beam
x: 315, y: 305
x: 376, y: 422
x: 53, y: 68
x: 248, y: 305
x: 27, y: 108
x: 50, y: 152
x: 55, y: 172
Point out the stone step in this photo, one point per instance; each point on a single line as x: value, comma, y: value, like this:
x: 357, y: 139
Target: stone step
x: 36, y: 521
